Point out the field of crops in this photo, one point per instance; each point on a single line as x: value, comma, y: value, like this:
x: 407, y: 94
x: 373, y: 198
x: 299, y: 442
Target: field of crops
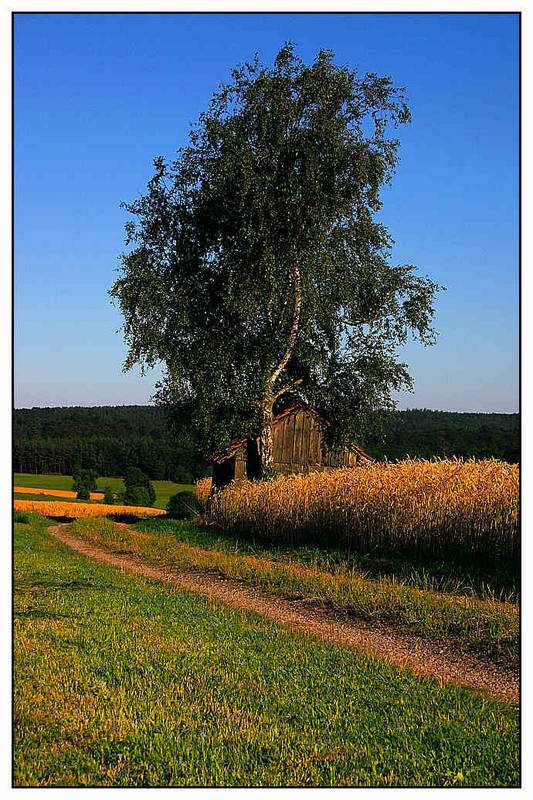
x: 435, y: 508
x: 164, y: 489
x: 76, y: 510
x: 54, y: 492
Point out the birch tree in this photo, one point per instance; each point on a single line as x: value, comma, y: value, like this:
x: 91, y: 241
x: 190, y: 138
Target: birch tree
x: 256, y: 271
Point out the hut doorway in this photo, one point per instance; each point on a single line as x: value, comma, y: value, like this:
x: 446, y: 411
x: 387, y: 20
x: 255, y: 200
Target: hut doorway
x: 253, y: 460
x: 223, y: 472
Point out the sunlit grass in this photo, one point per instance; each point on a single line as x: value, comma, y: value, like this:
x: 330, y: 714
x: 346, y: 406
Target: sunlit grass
x: 123, y: 682
x: 486, y: 624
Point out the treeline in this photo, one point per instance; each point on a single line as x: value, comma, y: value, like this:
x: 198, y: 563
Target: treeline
x: 107, y: 439
x: 421, y: 433
x: 111, y: 438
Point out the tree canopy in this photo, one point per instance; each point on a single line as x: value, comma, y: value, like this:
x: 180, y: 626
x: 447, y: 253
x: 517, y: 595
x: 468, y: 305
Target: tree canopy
x: 258, y: 273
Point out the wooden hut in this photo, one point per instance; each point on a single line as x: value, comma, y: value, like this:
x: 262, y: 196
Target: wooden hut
x: 298, y: 446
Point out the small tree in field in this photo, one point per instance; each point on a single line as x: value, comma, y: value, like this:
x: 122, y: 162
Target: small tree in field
x: 109, y: 496
x: 84, y: 482
x: 258, y: 271
x: 139, y: 489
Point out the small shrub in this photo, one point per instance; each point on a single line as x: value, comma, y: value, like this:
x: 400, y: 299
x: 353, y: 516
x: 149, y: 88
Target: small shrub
x: 19, y: 516
x: 109, y: 496
x: 84, y: 478
x: 137, y: 496
x: 134, y: 479
x: 83, y: 493
x: 182, y: 505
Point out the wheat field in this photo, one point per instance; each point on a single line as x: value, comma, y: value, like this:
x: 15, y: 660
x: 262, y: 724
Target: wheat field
x: 54, y: 492
x: 432, y: 507
x: 77, y: 510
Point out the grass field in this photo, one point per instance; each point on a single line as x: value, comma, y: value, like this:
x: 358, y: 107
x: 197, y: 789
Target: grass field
x: 122, y: 682
x: 420, y: 604
x: 163, y: 489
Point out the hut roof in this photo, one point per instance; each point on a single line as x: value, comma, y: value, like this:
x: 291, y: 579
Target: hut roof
x: 232, y: 449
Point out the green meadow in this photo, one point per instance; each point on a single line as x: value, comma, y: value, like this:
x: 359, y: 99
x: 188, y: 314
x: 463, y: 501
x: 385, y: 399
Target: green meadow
x: 163, y: 489
x: 120, y: 681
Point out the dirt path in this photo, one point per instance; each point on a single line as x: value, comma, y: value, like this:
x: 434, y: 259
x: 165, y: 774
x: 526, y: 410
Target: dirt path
x: 441, y: 660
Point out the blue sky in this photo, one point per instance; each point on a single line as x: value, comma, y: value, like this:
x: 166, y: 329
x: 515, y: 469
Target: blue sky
x: 98, y: 96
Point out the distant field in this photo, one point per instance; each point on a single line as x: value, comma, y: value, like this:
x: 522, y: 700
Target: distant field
x: 49, y: 498
x: 120, y: 681
x: 164, y: 489
x: 55, y: 508
x: 58, y: 493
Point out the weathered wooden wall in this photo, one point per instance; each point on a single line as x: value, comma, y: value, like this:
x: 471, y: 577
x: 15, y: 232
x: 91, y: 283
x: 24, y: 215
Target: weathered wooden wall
x: 299, y: 447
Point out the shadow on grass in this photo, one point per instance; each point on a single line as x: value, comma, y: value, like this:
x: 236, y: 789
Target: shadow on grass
x: 128, y: 519
x: 56, y: 585
x: 41, y: 613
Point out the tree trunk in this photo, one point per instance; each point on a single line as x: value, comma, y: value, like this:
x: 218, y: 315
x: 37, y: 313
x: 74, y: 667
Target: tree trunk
x: 267, y: 404
x: 266, y: 441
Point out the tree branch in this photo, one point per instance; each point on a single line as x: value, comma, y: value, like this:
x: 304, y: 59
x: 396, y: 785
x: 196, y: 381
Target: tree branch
x: 287, y: 388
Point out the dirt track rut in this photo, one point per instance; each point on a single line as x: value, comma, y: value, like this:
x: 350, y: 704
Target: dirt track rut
x: 442, y: 660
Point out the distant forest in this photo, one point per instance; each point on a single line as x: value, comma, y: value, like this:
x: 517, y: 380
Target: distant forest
x: 109, y: 438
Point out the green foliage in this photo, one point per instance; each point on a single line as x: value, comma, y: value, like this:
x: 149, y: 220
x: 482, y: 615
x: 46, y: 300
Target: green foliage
x: 84, y: 482
x: 182, y: 505
x: 137, y: 496
x: 181, y: 475
x: 422, y: 433
x: 257, y: 261
x: 83, y: 492
x: 21, y: 516
x: 271, y: 474
x: 180, y: 691
x: 135, y: 479
x: 46, y: 438
x: 63, y: 440
x: 109, y: 495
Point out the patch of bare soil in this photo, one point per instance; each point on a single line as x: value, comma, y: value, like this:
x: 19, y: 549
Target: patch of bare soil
x: 442, y: 660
